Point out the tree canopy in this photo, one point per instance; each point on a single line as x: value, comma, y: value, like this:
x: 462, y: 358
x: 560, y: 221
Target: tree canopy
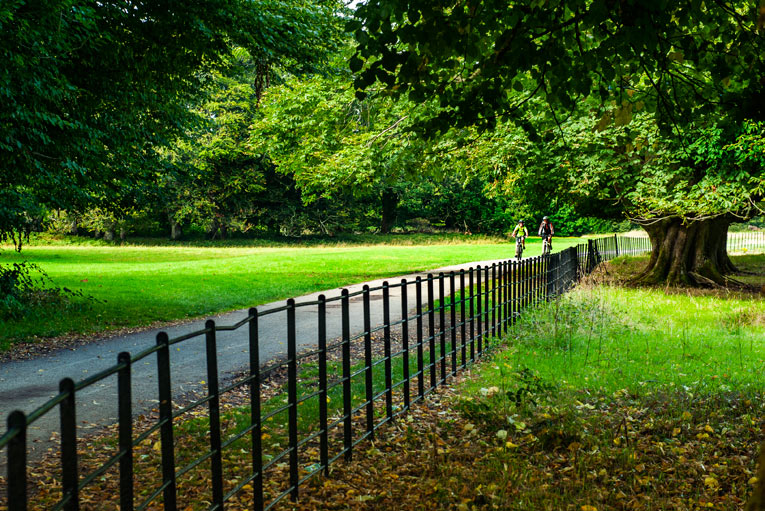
x: 484, y: 59
x: 90, y: 90
x: 581, y: 86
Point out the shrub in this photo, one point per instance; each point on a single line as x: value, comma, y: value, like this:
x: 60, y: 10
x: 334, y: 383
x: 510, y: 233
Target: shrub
x: 25, y: 287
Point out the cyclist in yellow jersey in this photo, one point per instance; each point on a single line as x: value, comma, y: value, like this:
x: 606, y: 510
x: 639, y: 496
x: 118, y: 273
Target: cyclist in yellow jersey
x: 520, y: 230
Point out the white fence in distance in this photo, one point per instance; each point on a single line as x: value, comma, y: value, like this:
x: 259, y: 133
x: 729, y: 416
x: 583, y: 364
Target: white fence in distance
x: 746, y: 242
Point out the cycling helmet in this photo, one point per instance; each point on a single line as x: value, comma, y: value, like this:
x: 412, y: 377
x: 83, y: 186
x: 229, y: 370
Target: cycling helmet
x: 520, y: 221
x: 546, y: 218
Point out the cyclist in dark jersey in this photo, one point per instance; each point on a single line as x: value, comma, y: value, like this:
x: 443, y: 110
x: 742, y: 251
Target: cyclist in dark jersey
x: 546, y: 230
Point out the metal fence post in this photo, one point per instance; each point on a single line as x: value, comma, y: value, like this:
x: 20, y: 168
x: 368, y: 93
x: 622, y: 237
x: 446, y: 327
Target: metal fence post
x: 479, y: 312
x: 526, y: 272
x: 347, y: 419
x: 420, y: 362
x: 513, y: 290
x: 472, y: 316
x: 166, y: 420
x: 405, y: 342
x: 453, y: 317
x: 17, y: 462
x: 500, y: 304
x: 493, y: 299
x: 486, y: 296
x: 69, y: 473
x: 463, y: 317
x: 522, y: 264
x: 324, y: 434
x: 553, y: 263
x: 386, y: 347
x: 506, y: 301
x: 432, y: 332
x: 125, y: 432
x: 442, y: 320
x: 292, y: 414
x: 368, y: 381
x: 257, y: 430
x: 216, y: 463
x: 541, y: 279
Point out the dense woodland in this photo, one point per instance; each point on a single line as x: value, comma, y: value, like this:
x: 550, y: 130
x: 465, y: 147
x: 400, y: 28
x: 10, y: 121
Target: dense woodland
x: 125, y: 118
x: 263, y: 140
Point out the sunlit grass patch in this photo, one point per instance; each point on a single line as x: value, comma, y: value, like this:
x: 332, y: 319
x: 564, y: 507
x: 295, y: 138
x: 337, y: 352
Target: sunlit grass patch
x: 608, y: 338
x: 145, y: 285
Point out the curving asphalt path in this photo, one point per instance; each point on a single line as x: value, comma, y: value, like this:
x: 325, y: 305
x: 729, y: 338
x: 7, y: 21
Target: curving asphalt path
x: 27, y: 384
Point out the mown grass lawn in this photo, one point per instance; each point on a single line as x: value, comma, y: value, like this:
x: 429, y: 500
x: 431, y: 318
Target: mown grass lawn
x: 149, y: 282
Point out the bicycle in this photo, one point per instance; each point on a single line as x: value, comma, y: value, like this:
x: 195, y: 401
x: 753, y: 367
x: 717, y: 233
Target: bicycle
x: 546, y: 245
x: 519, y: 246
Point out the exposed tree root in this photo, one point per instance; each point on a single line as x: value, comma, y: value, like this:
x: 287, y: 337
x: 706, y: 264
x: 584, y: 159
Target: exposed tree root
x: 703, y: 281
x: 688, y: 253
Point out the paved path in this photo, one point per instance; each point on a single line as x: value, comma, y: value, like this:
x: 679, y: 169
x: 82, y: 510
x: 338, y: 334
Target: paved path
x: 25, y: 385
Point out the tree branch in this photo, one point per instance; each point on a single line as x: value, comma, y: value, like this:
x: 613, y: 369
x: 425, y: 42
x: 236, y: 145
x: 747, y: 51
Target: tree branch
x: 386, y: 130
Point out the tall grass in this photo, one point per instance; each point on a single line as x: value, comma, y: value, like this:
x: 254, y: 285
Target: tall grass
x: 606, y: 338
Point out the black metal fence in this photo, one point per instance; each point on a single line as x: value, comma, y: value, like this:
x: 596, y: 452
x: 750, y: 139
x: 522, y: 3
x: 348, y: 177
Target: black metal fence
x: 333, y: 396
x: 606, y: 248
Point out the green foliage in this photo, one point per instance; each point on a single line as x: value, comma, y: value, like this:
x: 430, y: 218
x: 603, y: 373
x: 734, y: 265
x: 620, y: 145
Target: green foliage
x: 25, y: 289
x: 90, y: 91
x: 336, y: 145
x: 568, y: 98
x: 485, y: 60
x: 719, y: 172
x: 451, y: 204
x: 582, y: 168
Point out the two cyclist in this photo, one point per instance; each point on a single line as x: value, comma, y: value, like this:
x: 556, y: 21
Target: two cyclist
x: 546, y: 231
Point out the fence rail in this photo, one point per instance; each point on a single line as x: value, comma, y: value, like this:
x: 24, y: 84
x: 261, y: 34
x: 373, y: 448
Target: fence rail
x: 433, y: 328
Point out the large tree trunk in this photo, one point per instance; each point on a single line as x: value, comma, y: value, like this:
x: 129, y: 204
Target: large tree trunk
x: 390, y: 200
x: 176, y: 231
x: 212, y: 230
x: 692, y: 253
x: 73, y: 228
